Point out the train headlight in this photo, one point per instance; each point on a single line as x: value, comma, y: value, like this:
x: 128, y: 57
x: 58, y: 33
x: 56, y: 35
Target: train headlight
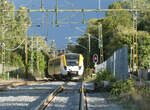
x: 65, y: 67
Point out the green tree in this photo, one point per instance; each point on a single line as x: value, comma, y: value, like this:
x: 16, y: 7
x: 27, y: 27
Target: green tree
x: 12, y: 32
x: 40, y: 51
x: 118, y: 31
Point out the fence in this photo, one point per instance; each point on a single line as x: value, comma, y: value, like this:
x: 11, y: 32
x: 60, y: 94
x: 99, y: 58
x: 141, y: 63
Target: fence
x: 117, y: 64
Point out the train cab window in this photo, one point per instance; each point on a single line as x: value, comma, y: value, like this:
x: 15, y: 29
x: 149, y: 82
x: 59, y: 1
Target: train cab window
x: 72, y: 63
x: 72, y: 59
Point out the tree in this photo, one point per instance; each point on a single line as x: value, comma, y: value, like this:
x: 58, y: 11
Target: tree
x: 12, y: 32
x: 118, y: 31
x: 40, y: 55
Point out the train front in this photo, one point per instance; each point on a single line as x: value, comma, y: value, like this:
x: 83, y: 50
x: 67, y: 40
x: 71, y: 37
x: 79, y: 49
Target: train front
x: 72, y: 64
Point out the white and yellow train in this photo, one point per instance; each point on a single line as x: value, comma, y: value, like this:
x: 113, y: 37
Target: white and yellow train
x: 72, y: 64
x: 69, y: 64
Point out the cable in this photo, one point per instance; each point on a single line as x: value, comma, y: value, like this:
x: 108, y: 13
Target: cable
x: 67, y: 18
x: 13, y: 48
x: 69, y: 3
x: 73, y: 15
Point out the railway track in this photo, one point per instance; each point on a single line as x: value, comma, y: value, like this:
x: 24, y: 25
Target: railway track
x: 50, y: 97
x: 17, y: 84
x: 46, y: 103
x: 26, y: 97
x: 83, y: 98
x: 54, y: 96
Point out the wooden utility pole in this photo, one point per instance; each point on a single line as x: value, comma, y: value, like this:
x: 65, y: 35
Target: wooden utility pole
x: 26, y: 57
x: 32, y: 56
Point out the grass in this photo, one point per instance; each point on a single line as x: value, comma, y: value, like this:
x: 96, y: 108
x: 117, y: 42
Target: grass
x: 132, y: 96
x: 125, y: 92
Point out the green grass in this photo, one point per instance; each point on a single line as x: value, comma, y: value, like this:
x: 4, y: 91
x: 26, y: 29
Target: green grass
x: 133, y: 97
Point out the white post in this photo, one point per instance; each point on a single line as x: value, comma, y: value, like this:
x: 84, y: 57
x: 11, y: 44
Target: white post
x: 37, y: 53
x: 114, y: 72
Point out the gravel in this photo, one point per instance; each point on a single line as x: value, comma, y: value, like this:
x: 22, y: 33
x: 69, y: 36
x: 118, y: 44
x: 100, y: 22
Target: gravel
x: 73, y: 85
x: 26, y: 97
x: 89, y: 85
x: 97, y: 102
x: 67, y: 100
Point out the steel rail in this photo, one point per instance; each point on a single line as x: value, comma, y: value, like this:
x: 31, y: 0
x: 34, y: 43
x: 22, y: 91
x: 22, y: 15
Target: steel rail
x: 83, y: 99
x: 17, y: 84
x: 50, y: 97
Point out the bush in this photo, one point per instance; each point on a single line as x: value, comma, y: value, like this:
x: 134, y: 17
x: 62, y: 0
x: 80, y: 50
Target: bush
x: 120, y: 87
x: 1, y: 76
x: 88, y: 72
x: 133, y: 96
x: 104, y: 75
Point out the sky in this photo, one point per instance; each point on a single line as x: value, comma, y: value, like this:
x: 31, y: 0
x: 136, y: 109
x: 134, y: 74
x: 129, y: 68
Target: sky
x: 60, y: 32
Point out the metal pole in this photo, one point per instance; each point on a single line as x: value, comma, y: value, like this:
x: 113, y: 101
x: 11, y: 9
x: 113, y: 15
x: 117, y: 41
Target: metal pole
x: 89, y: 38
x: 37, y: 53
x: 56, y: 10
x: 135, y: 38
x: 131, y: 50
x: 89, y: 43
x: 137, y: 67
x: 41, y: 4
x: 100, y: 43
x: 99, y: 4
x: 47, y: 27
x: 83, y: 21
x: 3, y: 46
x: 3, y: 59
x: 3, y: 64
x: 149, y: 64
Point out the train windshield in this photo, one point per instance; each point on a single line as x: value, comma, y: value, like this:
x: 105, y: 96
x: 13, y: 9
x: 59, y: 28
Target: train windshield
x: 72, y: 59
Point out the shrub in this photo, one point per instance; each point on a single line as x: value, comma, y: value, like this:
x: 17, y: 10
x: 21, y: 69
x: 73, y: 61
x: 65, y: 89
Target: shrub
x: 104, y: 75
x: 88, y: 72
x: 120, y: 87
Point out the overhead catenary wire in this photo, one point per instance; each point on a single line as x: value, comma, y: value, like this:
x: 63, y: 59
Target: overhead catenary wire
x: 72, y: 4
x: 135, y: 10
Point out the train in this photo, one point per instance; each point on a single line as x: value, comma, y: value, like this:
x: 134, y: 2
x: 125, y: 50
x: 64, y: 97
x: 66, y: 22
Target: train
x: 67, y: 65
